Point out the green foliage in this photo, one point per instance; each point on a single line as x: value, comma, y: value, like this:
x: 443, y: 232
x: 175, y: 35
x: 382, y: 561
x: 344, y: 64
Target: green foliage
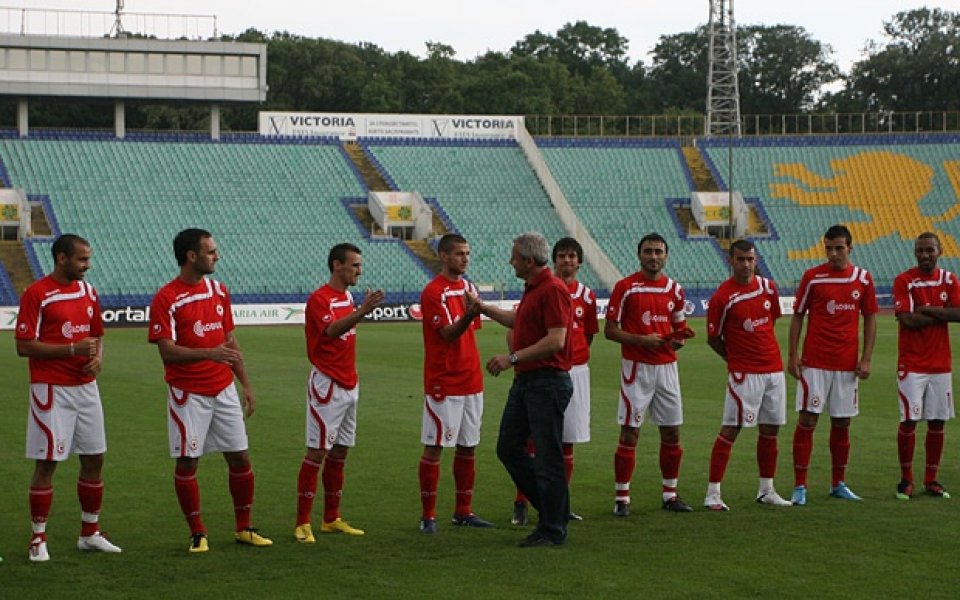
x: 827, y: 549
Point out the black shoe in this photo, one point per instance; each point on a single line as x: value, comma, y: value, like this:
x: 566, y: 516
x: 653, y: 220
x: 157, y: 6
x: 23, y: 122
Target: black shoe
x: 537, y: 539
x: 675, y: 504
x: 470, y: 520
x: 519, y: 514
x: 904, y: 489
x: 621, y: 509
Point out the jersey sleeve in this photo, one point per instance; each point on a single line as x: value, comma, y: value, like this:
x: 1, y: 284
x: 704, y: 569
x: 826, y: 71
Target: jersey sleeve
x: 802, y: 302
x: 953, y: 296
x: 160, y: 326
x: 901, y: 296
x: 714, y: 314
x: 28, y: 316
x: 679, y: 317
x: 434, y: 314
x: 613, y: 305
x: 96, y: 320
x: 228, y: 324
x: 775, y: 311
x: 319, y: 314
x: 590, y: 324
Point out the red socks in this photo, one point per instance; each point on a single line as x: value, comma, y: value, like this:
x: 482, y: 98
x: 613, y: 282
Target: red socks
x: 934, y: 448
x: 306, y: 490
x: 188, y: 493
x: 719, y: 457
x: 624, y: 462
x: 241, y: 490
x: 767, y: 456
x: 568, y: 462
x: 429, y: 472
x: 332, y: 487
x: 40, y: 501
x: 839, y: 453
x: 464, y: 475
x: 90, y: 494
x: 802, y: 449
x: 906, y: 438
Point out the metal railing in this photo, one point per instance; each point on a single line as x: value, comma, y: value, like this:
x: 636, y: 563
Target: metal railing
x: 884, y: 122
x: 82, y: 23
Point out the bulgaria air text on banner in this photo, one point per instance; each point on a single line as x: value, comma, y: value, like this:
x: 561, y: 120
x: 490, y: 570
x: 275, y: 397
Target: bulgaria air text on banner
x: 353, y: 125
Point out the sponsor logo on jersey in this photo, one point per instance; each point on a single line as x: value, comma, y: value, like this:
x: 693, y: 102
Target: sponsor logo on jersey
x: 649, y: 318
x: 833, y: 307
x: 200, y: 328
x: 69, y: 330
x: 752, y: 325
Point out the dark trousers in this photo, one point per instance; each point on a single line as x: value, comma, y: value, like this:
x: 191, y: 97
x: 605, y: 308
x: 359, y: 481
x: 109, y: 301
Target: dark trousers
x: 534, y: 410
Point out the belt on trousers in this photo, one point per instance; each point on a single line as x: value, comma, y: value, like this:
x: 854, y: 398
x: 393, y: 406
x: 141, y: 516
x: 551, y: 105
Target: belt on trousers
x: 542, y: 373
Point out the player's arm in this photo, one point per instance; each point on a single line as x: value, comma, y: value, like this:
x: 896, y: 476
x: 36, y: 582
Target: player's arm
x: 869, y: 340
x: 793, y: 344
x: 172, y: 353
x: 613, y: 332
x: 95, y: 364
x: 548, y: 345
x: 716, y: 344
x: 940, y: 313
x: 372, y: 300
x: 589, y: 337
x: 44, y: 350
x: 452, y: 331
x: 500, y: 315
x: 916, y: 319
x: 240, y: 372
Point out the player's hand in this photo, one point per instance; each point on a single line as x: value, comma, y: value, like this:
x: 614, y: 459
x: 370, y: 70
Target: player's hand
x: 863, y: 369
x: 677, y: 344
x: 793, y: 366
x: 225, y: 354
x: 498, y: 364
x: 371, y: 300
x: 474, y: 305
x: 88, y: 347
x: 93, y: 366
x: 651, y: 340
x: 249, y: 403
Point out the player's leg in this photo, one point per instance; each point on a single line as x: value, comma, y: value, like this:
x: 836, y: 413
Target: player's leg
x: 520, y: 509
x: 938, y: 408
x: 576, y: 421
x: 343, y: 431
x: 770, y: 417
x: 428, y: 471
x: 719, y: 458
x: 307, y: 492
x: 241, y: 485
x: 41, y: 499
x: 910, y: 387
x: 624, y: 463
x: 802, y: 449
x: 839, y: 457
x: 188, y: 496
x: 90, y: 494
x: 666, y: 411
x: 933, y: 446
x: 188, y: 421
x: 464, y: 476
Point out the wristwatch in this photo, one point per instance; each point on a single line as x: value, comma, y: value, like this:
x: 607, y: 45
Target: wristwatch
x: 513, y: 358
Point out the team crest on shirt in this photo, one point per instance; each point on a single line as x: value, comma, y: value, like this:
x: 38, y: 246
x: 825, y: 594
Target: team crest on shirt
x: 89, y: 312
x: 448, y: 434
x: 815, y: 401
x: 766, y: 305
x: 749, y: 417
x: 194, y: 443
x: 579, y: 311
x: 943, y: 296
x: 327, y: 318
x: 855, y: 294
x: 61, y: 447
x: 670, y: 306
x: 220, y: 310
x: 915, y: 409
x: 332, y: 438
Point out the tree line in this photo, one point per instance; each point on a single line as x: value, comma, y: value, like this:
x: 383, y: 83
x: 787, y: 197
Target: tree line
x: 581, y: 69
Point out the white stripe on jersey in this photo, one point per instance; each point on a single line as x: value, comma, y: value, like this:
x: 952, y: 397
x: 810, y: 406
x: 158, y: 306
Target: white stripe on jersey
x: 857, y: 274
x: 84, y: 290
x: 945, y: 277
x: 763, y: 287
x: 668, y: 287
x: 212, y: 287
x: 448, y: 293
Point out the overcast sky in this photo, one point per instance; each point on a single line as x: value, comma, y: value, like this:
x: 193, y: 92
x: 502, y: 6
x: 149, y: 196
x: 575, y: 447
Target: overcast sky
x: 472, y: 28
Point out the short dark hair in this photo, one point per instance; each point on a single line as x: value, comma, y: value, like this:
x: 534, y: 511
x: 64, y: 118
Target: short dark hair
x: 929, y: 235
x: 188, y: 240
x: 65, y: 244
x: 653, y: 237
x: 742, y: 246
x: 449, y: 240
x: 839, y: 231
x: 567, y: 243
x: 339, y: 254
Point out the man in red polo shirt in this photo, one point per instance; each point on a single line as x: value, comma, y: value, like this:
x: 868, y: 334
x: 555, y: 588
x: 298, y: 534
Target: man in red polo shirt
x: 333, y: 390
x: 542, y: 330
x: 191, y: 322
x: 925, y: 298
x: 59, y: 329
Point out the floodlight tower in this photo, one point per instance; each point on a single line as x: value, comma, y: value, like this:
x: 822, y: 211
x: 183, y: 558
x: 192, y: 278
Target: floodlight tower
x: 723, y: 92
x: 117, y: 28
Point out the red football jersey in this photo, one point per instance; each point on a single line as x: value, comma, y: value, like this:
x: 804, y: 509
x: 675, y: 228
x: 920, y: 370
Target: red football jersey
x: 642, y: 306
x: 744, y: 316
x: 59, y: 314
x: 584, y: 321
x: 449, y: 368
x: 193, y: 316
x: 924, y: 350
x: 334, y: 357
x: 834, y: 300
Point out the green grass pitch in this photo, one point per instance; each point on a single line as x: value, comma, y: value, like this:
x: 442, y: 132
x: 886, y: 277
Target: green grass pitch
x: 878, y: 548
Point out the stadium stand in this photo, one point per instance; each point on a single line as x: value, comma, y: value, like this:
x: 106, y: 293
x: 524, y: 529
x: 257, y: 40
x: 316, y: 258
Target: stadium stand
x: 888, y: 189
x: 487, y: 190
x: 623, y: 189
x: 275, y: 208
x: 8, y: 296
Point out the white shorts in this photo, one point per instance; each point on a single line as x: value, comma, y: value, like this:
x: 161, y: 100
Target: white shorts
x: 835, y: 389
x: 452, y: 420
x: 64, y: 420
x: 197, y: 425
x: 331, y: 413
x: 925, y: 396
x: 576, y: 419
x: 755, y: 399
x: 653, y: 388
